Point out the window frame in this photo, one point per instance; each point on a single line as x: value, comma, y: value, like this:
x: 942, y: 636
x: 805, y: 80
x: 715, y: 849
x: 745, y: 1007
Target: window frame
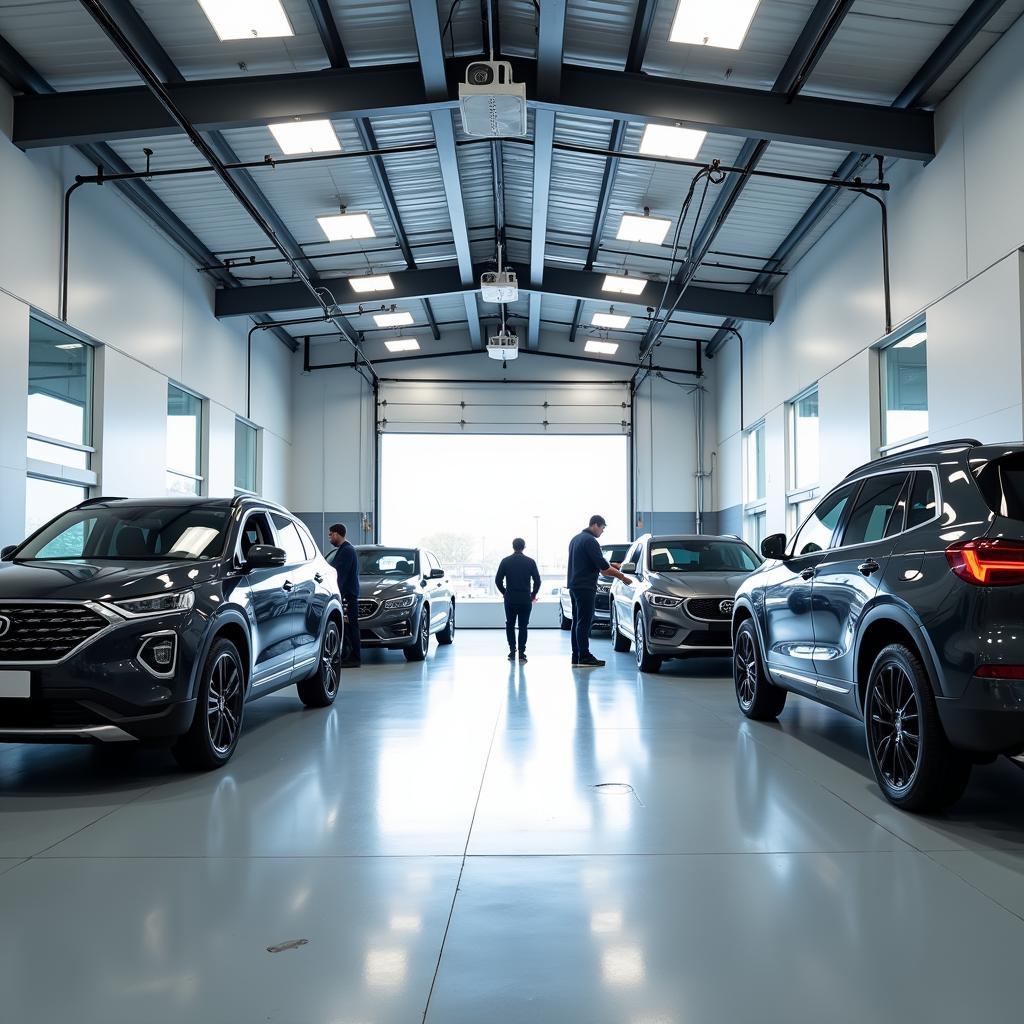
x: 854, y: 487
x: 839, y: 539
x: 796, y: 496
x: 887, y: 446
x: 257, y: 443
x: 754, y: 506
x: 201, y: 455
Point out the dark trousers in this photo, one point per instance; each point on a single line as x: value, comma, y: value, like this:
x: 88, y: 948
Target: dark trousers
x: 582, y: 621
x: 517, y: 609
x: 351, y: 649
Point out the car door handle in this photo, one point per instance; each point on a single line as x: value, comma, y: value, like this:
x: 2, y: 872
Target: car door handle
x: 807, y: 574
x: 868, y: 568
x: 287, y: 585
x: 318, y: 577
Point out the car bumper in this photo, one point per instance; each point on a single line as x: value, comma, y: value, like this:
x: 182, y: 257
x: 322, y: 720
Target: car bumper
x: 391, y: 630
x: 988, y: 718
x: 670, y: 638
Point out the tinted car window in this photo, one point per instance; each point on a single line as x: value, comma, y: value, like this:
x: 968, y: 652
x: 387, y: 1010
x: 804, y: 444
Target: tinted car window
x: 1002, y: 485
x: 816, y: 533
x: 256, y: 531
x: 873, y: 510
x: 615, y: 554
x: 432, y: 561
x: 702, y: 556
x: 289, y: 539
x: 633, y: 555
x: 387, y: 562
x: 921, y: 507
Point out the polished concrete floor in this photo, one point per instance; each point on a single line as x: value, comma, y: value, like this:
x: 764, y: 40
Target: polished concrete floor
x: 465, y: 842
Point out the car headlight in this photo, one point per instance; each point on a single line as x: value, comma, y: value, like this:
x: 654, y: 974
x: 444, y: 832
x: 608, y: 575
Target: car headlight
x: 661, y: 601
x: 157, y: 604
x: 399, y: 602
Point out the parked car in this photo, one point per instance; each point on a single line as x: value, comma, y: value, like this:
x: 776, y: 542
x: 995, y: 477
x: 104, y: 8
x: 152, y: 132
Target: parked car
x: 613, y: 554
x: 679, y: 603
x: 405, y: 597
x: 159, y: 619
x: 899, y: 602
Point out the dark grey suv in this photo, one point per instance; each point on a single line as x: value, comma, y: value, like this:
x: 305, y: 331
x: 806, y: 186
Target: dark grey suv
x: 899, y: 602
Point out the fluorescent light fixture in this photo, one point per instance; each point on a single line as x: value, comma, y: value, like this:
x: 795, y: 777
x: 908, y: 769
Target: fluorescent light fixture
x: 247, y: 19
x: 625, y: 285
x: 402, y: 319
x: 639, y: 227
x: 678, y: 143
x: 601, y: 348
x: 721, y: 23
x: 912, y: 340
x: 380, y: 283
x: 615, y: 321
x: 71, y: 345
x: 305, y: 137
x: 402, y: 345
x: 341, y: 227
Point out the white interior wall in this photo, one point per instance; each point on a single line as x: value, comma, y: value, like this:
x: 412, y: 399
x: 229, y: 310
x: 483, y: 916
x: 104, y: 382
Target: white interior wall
x: 142, y: 300
x: 955, y: 229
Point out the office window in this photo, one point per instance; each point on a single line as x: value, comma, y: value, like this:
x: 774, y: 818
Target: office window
x: 246, y: 437
x: 184, y: 441
x: 803, y: 456
x: 59, y: 435
x: 755, y: 513
x: 904, y: 390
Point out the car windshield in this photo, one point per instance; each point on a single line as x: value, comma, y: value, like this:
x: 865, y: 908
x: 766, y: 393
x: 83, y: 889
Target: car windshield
x: 130, y: 533
x: 387, y: 562
x: 702, y: 556
x: 614, y: 553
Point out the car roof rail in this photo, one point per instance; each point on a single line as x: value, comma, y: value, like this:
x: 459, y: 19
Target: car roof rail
x: 101, y: 500
x: 957, y: 442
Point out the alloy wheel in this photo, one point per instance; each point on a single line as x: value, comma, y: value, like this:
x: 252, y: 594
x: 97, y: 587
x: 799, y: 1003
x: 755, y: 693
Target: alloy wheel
x: 641, y: 639
x: 330, y: 655
x: 745, y: 671
x: 893, y: 727
x: 224, y: 703
x: 424, y: 631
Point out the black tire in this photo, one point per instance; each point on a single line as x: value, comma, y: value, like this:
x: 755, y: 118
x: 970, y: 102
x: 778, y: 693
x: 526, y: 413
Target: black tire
x: 645, y: 661
x: 563, y: 622
x: 757, y: 696
x: 913, y: 762
x: 620, y: 643
x: 418, y: 651
x: 220, y: 702
x: 320, y: 689
x: 447, y: 635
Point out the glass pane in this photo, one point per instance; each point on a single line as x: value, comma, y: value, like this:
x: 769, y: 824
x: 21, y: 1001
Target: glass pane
x: 922, y: 501
x: 57, y: 454
x: 181, y: 484
x: 47, y: 499
x: 702, y: 556
x: 874, y: 505
x: 245, y: 456
x: 755, y: 464
x: 804, y: 439
x: 816, y: 533
x: 59, y: 385
x: 756, y: 529
x: 905, y: 390
x: 289, y: 539
x: 184, y: 432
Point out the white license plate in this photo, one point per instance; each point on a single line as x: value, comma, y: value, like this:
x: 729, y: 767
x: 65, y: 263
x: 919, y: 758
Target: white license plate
x: 15, y: 684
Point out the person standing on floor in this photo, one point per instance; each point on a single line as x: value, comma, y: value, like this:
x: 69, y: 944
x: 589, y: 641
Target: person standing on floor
x: 346, y: 564
x: 518, y: 581
x: 586, y: 563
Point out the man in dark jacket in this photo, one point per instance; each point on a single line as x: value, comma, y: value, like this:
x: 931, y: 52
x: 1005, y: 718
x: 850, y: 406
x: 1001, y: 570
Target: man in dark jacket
x: 586, y: 562
x: 518, y: 581
x: 346, y: 564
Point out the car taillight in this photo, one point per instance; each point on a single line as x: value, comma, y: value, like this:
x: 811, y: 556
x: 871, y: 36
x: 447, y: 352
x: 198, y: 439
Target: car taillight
x: 988, y: 563
x: 1000, y: 672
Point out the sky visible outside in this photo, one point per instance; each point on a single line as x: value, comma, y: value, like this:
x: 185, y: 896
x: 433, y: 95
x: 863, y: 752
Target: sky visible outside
x: 467, y: 496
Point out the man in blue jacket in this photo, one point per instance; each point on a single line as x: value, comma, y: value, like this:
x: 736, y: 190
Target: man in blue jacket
x: 586, y: 563
x: 518, y: 581
x: 346, y: 564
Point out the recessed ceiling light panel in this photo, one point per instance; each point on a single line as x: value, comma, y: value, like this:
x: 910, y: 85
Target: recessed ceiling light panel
x: 912, y: 340
x: 677, y: 143
x: 380, y: 283
x: 636, y: 227
x: 247, y: 19
x: 403, y: 319
x: 603, y: 348
x: 624, y: 285
x: 721, y: 23
x: 342, y: 227
x: 402, y: 345
x: 612, y: 321
x: 306, y: 137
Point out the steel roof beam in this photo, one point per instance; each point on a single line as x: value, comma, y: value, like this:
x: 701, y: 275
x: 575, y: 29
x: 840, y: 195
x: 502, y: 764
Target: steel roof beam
x: 116, y: 113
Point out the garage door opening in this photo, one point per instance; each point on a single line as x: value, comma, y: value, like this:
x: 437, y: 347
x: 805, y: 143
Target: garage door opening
x: 465, y: 497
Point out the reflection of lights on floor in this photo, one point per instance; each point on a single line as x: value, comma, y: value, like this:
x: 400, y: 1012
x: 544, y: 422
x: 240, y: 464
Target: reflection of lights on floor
x: 606, y: 921
x: 622, y: 965
x: 418, y: 879
x: 596, y: 878
x: 386, y: 967
x: 301, y: 898
x: 405, y: 922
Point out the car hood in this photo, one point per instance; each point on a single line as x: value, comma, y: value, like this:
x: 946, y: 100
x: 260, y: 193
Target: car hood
x: 696, y: 584
x: 94, y: 581
x: 380, y: 587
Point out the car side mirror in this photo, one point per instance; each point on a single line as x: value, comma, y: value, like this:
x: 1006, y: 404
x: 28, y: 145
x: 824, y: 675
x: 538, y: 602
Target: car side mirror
x: 265, y: 556
x: 437, y: 574
x: 774, y: 546
x: 627, y: 568
x: 5, y: 553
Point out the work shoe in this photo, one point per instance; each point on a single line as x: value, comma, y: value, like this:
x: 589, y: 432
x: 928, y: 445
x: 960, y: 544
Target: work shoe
x: 511, y: 655
x: 523, y: 658
x: 589, y: 661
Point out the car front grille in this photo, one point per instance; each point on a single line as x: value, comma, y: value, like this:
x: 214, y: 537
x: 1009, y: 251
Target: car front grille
x: 50, y: 714
x: 709, y: 608
x: 37, y: 633
x: 708, y: 638
x: 368, y: 608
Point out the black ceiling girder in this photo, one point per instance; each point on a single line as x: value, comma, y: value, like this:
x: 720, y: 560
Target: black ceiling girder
x: 435, y: 281
x: 109, y: 114
x: 433, y: 84
x: 959, y: 36
x: 22, y: 76
x: 817, y: 33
